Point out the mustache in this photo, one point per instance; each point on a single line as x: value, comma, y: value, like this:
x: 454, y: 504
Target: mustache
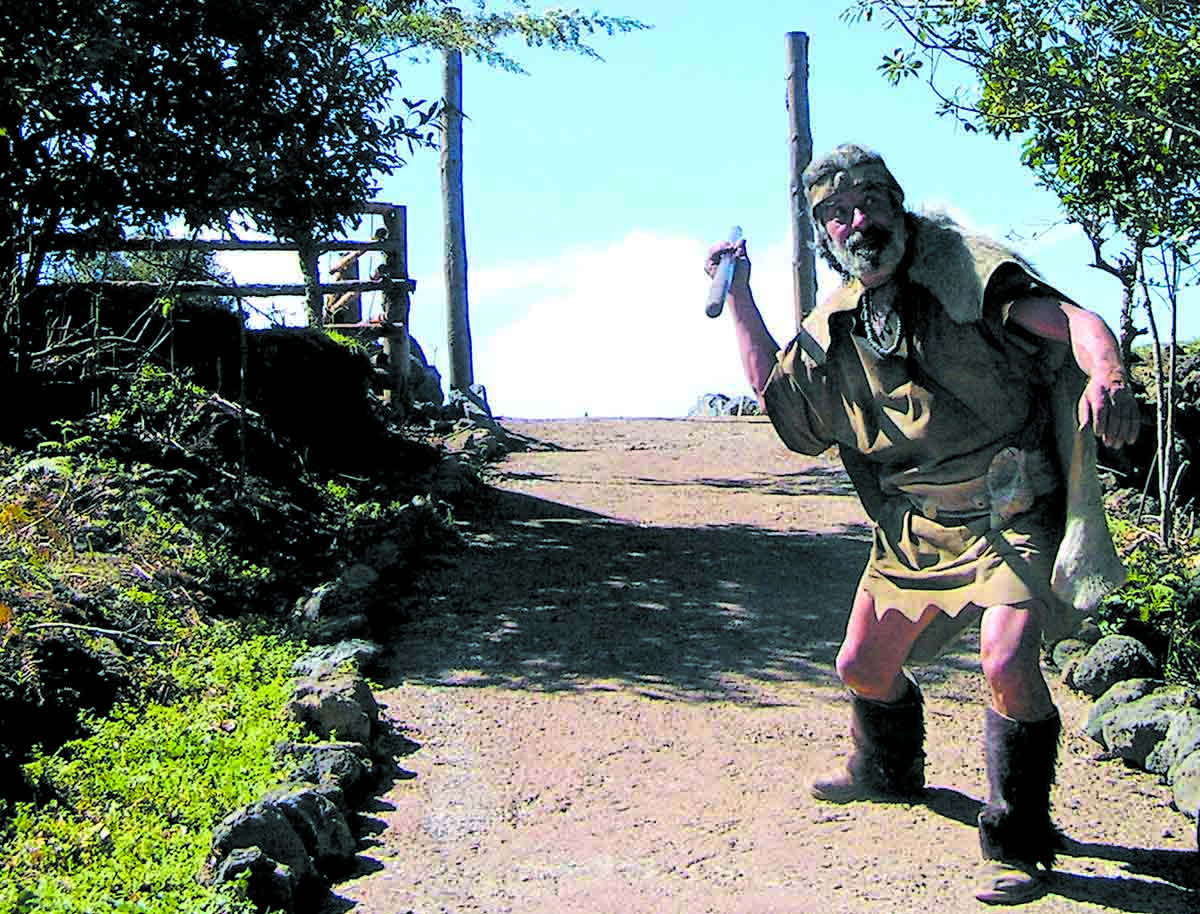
x: 872, y: 239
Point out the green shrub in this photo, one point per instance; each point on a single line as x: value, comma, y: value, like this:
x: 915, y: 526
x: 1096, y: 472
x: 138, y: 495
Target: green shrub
x: 1183, y: 659
x: 1160, y: 602
x: 135, y: 802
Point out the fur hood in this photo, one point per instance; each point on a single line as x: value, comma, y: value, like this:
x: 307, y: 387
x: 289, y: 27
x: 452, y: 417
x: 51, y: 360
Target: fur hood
x: 956, y: 265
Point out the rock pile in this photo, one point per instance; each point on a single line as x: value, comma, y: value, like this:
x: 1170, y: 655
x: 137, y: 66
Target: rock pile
x: 291, y: 845
x: 1137, y: 717
x: 712, y: 405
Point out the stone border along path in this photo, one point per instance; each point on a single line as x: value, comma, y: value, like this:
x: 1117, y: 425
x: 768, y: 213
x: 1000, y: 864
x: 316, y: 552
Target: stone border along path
x: 618, y: 695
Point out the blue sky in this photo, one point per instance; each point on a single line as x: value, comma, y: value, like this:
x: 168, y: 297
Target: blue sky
x: 592, y: 190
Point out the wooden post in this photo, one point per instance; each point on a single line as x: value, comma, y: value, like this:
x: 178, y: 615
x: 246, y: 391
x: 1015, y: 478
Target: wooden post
x: 800, y: 154
x: 458, y: 330
x: 396, y: 304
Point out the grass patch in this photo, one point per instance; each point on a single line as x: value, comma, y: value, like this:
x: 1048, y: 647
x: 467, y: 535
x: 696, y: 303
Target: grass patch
x: 131, y: 807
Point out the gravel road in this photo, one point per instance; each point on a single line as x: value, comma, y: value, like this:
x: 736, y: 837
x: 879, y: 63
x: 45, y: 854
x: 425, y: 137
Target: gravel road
x: 624, y: 685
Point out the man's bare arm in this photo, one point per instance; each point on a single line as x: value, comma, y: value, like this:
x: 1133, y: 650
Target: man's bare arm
x: 1107, y: 402
x: 756, y: 345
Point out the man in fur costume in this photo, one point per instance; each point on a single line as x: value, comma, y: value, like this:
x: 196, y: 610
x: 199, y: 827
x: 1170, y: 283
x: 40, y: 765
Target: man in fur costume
x: 965, y: 396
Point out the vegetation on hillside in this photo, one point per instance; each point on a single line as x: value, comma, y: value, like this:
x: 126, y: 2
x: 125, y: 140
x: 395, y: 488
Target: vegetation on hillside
x: 1160, y: 604
x: 147, y: 594
x: 125, y: 813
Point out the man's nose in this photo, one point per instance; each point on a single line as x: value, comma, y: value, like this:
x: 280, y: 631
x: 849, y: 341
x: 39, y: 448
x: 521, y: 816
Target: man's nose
x: 860, y: 219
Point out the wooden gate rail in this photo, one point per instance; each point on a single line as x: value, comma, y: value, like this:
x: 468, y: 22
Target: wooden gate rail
x: 390, y: 278
x: 256, y: 290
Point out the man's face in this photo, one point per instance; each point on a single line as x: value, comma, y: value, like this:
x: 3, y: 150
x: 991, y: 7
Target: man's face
x: 864, y: 233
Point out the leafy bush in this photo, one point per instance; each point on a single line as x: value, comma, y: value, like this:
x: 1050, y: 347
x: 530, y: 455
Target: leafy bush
x: 136, y: 718
x: 1160, y: 604
x: 1183, y: 658
x: 134, y: 803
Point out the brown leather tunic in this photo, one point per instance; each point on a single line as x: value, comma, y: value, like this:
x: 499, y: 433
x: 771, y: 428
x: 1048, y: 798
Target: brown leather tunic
x: 918, y: 431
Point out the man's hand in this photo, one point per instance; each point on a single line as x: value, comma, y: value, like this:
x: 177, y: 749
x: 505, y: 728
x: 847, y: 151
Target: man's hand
x: 756, y: 346
x: 741, y: 272
x: 1109, y: 405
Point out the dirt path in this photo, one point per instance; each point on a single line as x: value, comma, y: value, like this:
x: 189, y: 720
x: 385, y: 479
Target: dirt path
x: 626, y: 685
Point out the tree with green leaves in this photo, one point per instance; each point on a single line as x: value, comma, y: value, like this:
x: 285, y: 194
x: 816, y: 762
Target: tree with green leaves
x: 412, y: 30
x: 1106, y: 99
x: 119, y: 114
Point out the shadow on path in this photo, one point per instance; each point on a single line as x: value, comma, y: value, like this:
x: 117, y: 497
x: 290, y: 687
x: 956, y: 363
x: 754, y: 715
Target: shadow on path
x: 1171, y: 884
x: 552, y: 597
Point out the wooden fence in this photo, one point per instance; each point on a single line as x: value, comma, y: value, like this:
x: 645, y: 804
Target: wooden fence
x: 324, y: 299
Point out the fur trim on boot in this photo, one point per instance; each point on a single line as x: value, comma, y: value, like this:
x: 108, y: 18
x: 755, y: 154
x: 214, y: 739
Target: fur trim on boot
x: 1016, y: 832
x: 888, y: 762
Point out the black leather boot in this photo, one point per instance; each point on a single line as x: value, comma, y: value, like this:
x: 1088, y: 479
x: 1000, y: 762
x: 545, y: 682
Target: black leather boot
x: 1016, y: 834
x: 888, y: 762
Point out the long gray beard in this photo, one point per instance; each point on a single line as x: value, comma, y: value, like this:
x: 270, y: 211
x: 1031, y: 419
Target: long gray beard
x: 870, y: 251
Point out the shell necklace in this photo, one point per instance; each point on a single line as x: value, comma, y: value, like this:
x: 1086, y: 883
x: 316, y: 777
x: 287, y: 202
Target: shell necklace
x: 881, y: 323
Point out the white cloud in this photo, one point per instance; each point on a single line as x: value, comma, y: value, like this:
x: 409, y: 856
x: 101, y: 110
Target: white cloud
x: 617, y: 330
x: 510, y: 277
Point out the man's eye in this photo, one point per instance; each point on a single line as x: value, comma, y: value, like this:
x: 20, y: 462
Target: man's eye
x: 876, y: 200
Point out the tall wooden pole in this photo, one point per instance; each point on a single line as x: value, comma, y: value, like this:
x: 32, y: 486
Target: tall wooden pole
x: 800, y: 146
x: 458, y: 330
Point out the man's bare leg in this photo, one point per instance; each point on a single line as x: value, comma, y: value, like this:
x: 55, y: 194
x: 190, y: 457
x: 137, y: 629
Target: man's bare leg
x: 887, y: 722
x: 1010, y: 646
x: 871, y: 659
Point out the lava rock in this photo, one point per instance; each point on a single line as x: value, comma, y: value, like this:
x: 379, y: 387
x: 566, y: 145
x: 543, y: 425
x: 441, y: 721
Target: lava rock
x: 346, y: 765
x: 1110, y: 660
x: 270, y: 885
x: 340, y: 707
x: 330, y: 659
x: 1122, y: 693
x: 265, y: 827
x: 1182, y: 739
x: 322, y: 828
x: 1134, y: 730
x: 1185, y: 789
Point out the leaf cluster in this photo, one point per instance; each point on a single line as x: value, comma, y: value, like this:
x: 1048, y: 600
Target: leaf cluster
x: 397, y: 27
x: 1106, y: 96
x: 1161, y: 604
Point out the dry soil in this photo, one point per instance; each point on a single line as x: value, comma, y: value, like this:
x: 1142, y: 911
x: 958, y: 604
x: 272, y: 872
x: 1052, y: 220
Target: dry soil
x: 625, y: 685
